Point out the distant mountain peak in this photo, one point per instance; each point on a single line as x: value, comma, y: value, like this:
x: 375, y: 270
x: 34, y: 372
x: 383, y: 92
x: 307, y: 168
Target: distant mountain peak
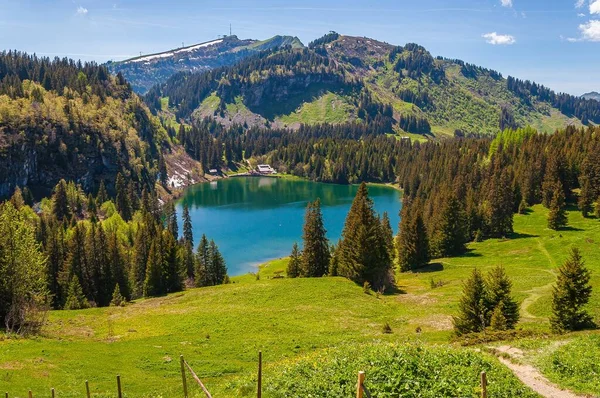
x: 147, y: 70
x: 592, y: 95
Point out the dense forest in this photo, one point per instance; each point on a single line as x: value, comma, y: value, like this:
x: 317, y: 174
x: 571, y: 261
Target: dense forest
x: 64, y: 119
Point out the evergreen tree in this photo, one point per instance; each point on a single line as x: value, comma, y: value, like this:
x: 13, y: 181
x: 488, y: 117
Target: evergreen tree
x: 102, y: 196
x: 449, y: 235
x: 598, y: 207
x: 17, y: 199
x: 117, y: 298
x: 499, y: 289
x: 586, y: 197
x: 28, y: 197
x: 363, y: 249
x: 388, y: 234
x: 76, y: 257
x: 172, y: 263
x: 60, y: 202
x: 188, y: 243
x: 412, y: 243
x: 295, y: 264
x: 498, y: 321
x: 171, y: 219
x: 117, y: 264
x: 217, y: 270
x: 202, y: 263
x: 122, y: 200
x: 557, y: 217
x: 141, y: 251
x: 499, y: 205
x: 153, y: 284
x: 472, y: 306
x: 570, y: 295
x: 75, y: 298
x: 315, y: 256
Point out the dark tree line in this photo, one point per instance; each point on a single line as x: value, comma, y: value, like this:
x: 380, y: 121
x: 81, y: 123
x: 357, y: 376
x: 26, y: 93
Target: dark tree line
x: 586, y: 110
x: 469, y: 189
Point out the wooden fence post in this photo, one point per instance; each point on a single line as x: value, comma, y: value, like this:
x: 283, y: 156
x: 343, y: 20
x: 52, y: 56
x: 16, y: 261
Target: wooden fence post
x: 361, y: 380
x: 52, y: 390
x: 182, y: 361
x: 483, y: 385
x: 30, y: 394
x: 259, y: 394
x: 119, y: 393
x: 87, y: 389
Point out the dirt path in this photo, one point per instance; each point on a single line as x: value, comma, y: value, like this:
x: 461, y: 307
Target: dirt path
x: 532, y: 377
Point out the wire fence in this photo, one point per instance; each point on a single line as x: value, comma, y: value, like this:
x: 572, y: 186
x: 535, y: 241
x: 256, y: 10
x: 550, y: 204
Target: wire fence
x: 361, y: 389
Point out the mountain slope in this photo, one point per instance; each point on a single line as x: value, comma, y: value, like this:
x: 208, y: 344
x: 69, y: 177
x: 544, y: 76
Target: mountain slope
x: 592, y: 95
x: 147, y: 70
x: 343, y: 78
x: 64, y: 120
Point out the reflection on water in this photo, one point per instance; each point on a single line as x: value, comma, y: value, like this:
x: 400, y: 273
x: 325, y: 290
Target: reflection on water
x: 257, y: 219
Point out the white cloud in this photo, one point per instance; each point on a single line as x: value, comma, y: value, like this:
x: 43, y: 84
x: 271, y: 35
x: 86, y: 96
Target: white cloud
x: 579, y: 3
x: 595, y: 7
x: 590, y: 30
x: 506, y: 3
x: 82, y: 11
x: 581, y: 15
x: 494, y: 38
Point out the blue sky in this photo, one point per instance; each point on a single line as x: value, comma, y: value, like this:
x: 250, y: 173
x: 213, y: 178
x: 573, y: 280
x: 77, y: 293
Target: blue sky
x: 554, y: 42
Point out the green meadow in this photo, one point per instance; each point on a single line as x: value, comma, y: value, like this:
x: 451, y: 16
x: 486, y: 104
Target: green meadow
x: 305, y: 324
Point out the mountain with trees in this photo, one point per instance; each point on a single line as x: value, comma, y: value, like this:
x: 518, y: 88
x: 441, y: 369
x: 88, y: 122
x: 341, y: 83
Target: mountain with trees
x: 594, y: 95
x: 342, y: 79
x: 146, y: 70
x: 61, y: 119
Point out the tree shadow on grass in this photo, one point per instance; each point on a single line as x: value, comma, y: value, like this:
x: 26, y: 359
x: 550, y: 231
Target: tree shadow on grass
x: 433, y: 267
x: 569, y: 228
x: 521, y: 235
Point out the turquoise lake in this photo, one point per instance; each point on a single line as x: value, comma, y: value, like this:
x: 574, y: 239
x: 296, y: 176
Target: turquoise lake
x: 256, y: 219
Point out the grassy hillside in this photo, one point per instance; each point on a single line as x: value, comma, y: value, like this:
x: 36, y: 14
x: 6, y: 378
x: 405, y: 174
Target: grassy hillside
x: 221, y: 329
x: 289, y: 87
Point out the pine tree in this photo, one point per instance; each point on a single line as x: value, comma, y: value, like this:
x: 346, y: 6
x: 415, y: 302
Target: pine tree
x: 188, y: 243
x: 171, y: 219
x: 557, y: 217
x: 412, y: 243
x: 122, y: 199
x: 295, y: 263
x: 498, y: 321
x: 141, y: 251
x: 173, y: 271
x: 17, y: 199
x: 388, y: 233
x: 315, y: 255
x: 75, y: 298
x: 449, y: 235
x: 499, y: 289
x: 499, y: 205
x: 472, y: 306
x: 570, y: 295
x: 598, y: 207
x: 154, y: 282
x: 28, y: 197
x: 76, y: 263
x: 202, y: 263
x: 102, y: 196
x: 117, y: 299
x: 586, y: 198
x: 55, y: 253
x: 217, y: 269
x: 60, y: 202
x: 117, y: 264
x: 363, y: 249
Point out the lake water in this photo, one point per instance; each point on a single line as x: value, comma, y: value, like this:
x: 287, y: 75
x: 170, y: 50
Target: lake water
x: 257, y: 219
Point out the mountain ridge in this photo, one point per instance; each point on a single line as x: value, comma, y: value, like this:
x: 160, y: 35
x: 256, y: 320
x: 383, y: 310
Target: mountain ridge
x: 146, y: 70
x: 285, y: 88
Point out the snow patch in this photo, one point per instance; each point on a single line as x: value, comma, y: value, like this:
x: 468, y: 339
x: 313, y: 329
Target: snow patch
x: 171, y: 53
